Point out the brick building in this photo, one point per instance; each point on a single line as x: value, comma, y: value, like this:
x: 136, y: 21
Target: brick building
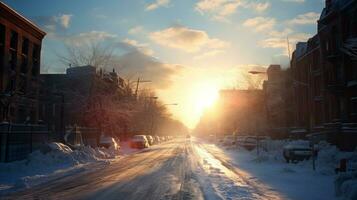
x: 325, y: 75
x: 277, y: 101
x: 20, y: 51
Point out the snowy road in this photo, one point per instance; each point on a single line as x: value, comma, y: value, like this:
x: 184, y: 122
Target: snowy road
x: 179, y: 169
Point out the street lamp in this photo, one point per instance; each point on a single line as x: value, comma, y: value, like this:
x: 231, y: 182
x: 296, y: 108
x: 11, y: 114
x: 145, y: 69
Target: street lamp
x: 137, y: 85
x: 257, y: 72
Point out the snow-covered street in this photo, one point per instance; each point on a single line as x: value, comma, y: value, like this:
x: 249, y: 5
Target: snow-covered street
x: 178, y: 169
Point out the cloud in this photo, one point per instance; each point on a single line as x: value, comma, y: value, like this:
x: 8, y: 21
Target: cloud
x: 259, y: 7
x: 281, y: 42
x: 136, y: 63
x: 135, y: 45
x: 295, y: 1
x: 88, y: 37
x: 52, y: 24
x: 189, y: 40
x: 307, y: 18
x: 130, y: 57
x: 157, y: 4
x: 221, y: 9
x: 64, y: 20
x: 208, y: 54
x: 260, y: 24
x: 136, y: 30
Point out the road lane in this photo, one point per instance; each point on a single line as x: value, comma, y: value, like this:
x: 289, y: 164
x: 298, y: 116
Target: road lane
x: 179, y: 169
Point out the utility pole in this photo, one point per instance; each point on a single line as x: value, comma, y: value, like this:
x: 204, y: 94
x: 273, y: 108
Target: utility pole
x: 137, y: 85
x: 287, y: 39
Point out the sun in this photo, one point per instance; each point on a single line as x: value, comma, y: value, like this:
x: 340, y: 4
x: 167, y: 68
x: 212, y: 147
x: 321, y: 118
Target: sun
x: 205, y: 96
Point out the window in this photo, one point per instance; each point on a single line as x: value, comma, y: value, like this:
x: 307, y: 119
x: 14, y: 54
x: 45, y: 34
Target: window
x: 36, y: 60
x: 13, y: 60
x: 2, y: 44
x: 25, y: 46
x: 353, y: 113
x: 24, y: 63
x: 318, y: 113
x: 317, y: 86
x: 13, y: 40
x: 2, y: 36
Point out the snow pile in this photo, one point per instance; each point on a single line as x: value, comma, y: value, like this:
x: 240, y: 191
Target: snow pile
x: 329, y: 156
x: 269, y: 151
x: 53, y: 160
x: 346, y: 185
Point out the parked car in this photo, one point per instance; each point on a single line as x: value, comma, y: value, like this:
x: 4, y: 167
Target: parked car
x: 229, y: 140
x: 109, y: 142
x: 139, y: 141
x: 297, y: 151
x: 150, y: 139
x: 250, y: 142
x: 157, y: 139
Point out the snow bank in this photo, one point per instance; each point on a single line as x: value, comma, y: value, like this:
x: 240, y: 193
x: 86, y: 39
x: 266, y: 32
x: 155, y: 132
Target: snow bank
x: 346, y: 185
x: 53, y: 160
x: 326, y: 161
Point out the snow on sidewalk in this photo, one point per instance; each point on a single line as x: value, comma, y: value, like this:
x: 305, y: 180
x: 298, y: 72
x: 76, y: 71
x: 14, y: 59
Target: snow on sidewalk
x: 55, y: 160
x: 294, y: 181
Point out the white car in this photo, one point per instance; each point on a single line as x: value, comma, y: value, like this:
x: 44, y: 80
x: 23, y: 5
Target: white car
x: 297, y: 151
x: 108, y: 142
x: 139, y: 141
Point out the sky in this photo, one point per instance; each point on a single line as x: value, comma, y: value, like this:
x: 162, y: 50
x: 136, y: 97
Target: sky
x: 189, y: 49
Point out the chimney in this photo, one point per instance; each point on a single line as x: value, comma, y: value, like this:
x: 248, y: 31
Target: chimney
x: 328, y: 3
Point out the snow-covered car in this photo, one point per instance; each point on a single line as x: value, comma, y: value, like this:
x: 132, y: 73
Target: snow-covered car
x: 150, y: 139
x: 139, y: 141
x: 250, y: 142
x: 108, y: 142
x: 229, y: 140
x: 157, y: 139
x: 297, y: 151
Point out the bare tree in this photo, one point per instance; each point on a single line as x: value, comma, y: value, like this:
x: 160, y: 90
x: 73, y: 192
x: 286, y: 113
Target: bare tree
x: 93, y: 53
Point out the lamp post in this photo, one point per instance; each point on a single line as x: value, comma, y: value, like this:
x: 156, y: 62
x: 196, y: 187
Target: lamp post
x: 257, y: 137
x: 137, y: 85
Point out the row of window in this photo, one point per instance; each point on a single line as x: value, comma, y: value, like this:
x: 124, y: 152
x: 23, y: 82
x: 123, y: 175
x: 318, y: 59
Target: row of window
x: 23, y: 60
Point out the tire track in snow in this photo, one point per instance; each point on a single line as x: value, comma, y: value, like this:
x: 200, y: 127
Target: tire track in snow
x: 260, y: 190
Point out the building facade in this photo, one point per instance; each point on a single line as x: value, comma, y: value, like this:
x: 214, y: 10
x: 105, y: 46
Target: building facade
x: 277, y: 101
x: 77, y: 97
x: 20, y: 55
x: 324, y: 70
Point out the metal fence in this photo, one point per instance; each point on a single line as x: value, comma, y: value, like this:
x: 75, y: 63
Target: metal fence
x: 19, y: 140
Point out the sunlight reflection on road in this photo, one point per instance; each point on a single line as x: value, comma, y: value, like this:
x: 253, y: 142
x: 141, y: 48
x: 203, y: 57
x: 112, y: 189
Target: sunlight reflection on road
x: 229, y: 183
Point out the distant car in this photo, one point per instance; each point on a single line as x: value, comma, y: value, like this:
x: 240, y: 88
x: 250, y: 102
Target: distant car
x: 150, y: 139
x: 229, y: 140
x: 157, y: 139
x: 139, y: 141
x: 297, y: 151
x: 211, y: 138
x: 248, y: 143
x: 108, y: 142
